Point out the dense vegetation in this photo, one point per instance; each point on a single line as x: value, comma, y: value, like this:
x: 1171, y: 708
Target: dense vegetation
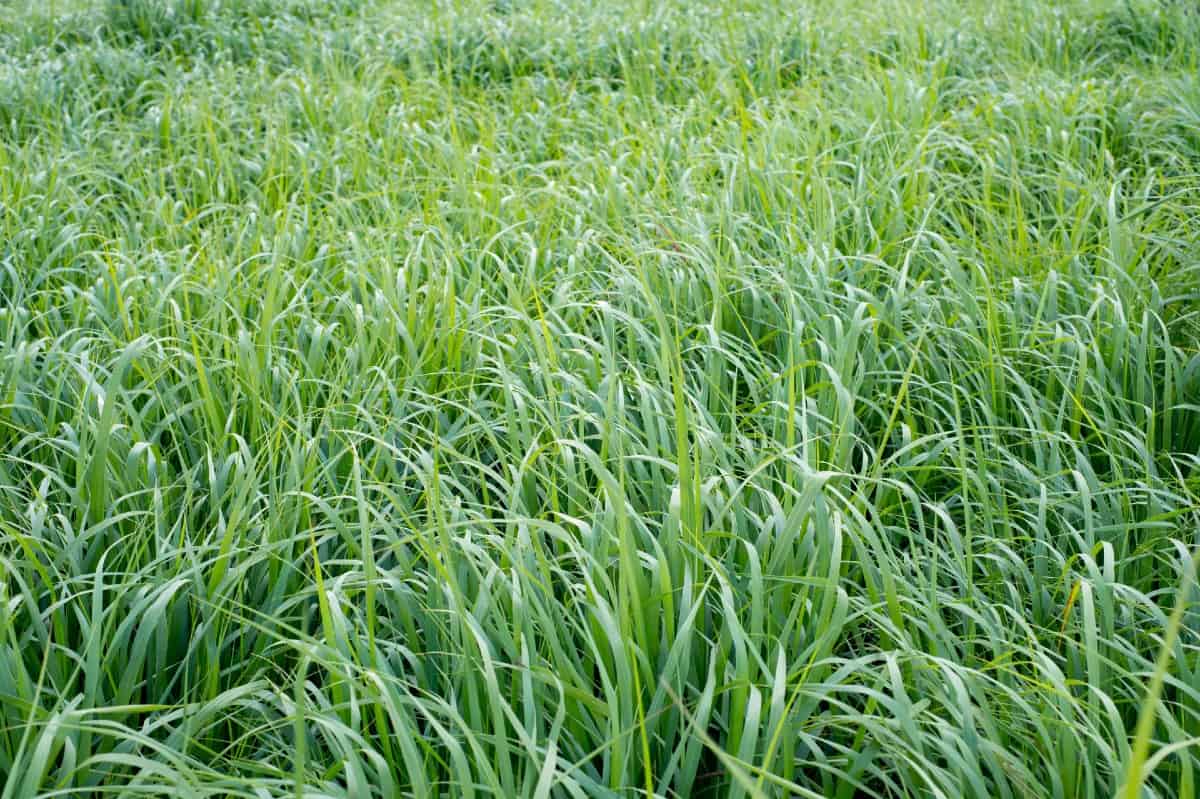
x: 562, y: 398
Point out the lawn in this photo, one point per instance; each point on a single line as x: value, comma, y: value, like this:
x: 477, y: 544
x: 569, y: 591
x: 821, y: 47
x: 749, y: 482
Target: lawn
x: 599, y: 398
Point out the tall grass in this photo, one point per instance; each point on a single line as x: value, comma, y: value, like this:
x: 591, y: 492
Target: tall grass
x: 560, y: 399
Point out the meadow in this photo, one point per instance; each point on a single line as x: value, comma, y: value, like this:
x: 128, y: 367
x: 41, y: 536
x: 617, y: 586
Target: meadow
x: 560, y: 398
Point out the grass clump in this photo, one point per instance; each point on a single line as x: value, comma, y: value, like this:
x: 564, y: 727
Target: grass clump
x: 562, y: 399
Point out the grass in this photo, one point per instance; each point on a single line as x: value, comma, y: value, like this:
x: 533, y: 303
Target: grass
x: 552, y: 398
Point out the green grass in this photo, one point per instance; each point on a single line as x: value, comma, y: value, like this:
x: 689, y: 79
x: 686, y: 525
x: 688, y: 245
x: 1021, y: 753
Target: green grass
x: 559, y: 398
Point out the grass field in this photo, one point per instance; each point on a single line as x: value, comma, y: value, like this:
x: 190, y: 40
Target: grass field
x: 580, y: 398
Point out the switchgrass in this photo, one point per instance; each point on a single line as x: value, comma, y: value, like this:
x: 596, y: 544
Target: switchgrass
x: 562, y: 399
